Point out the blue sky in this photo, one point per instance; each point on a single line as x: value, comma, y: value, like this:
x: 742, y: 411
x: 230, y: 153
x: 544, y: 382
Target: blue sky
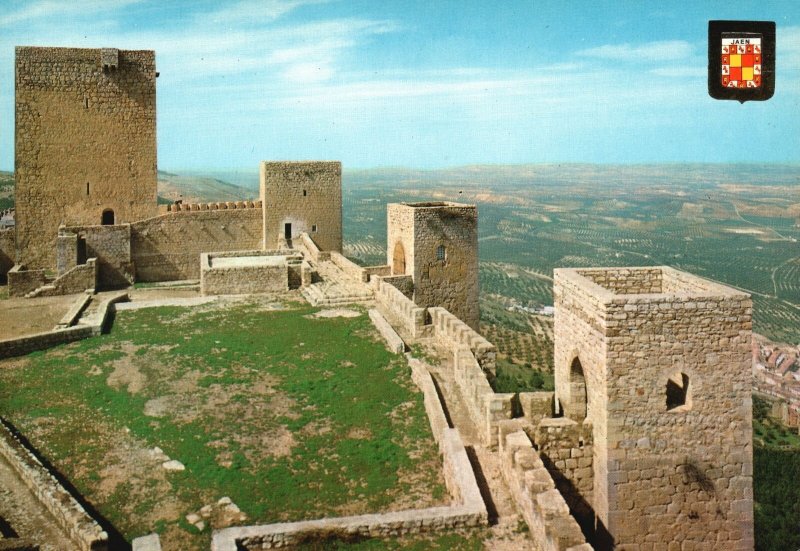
x: 428, y: 83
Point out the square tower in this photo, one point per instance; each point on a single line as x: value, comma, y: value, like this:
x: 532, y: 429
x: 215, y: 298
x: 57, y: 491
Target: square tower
x: 659, y: 362
x: 437, y: 245
x: 85, y: 143
x: 302, y: 196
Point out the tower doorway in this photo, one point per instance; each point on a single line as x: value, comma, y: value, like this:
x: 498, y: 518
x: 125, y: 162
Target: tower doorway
x: 108, y: 217
x: 577, y: 389
x: 287, y: 231
x: 399, y: 260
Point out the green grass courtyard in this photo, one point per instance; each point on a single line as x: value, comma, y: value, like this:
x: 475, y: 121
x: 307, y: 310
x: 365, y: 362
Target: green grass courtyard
x: 289, y: 411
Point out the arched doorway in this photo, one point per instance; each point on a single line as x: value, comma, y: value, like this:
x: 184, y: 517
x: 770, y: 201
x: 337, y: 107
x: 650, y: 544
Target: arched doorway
x: 399, y: 259
x: 108, y: 217
x: 577, y: 390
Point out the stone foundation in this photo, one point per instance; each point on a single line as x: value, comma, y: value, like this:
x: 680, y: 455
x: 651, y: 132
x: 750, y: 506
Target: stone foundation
x: 248, y: 272
x: 84, y: 532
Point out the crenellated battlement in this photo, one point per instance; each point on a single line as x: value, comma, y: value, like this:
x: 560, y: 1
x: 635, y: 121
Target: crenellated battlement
x: 221, y: 205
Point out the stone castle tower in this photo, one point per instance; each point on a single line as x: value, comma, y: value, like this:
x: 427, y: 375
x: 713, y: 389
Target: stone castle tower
x: 85, y: 143
x: 658, y: 363
x: 302, y: 196
x: 437, y: 244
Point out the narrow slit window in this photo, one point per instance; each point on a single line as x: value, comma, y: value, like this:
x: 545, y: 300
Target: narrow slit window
x: 86, y: 102
x: 313, y: 228
x: 304, y: 193
x: 87, y: 188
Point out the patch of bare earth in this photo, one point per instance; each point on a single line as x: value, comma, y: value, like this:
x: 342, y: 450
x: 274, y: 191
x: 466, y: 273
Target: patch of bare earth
x: 336, y: 313
x: 27, y: 316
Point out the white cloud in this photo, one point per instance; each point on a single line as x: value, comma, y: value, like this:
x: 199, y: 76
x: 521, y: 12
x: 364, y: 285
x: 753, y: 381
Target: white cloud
x: 306, y: 73
x: 681, y: 71
x: 251, y: 11
x: 666, y: 50
x: 50, y: 9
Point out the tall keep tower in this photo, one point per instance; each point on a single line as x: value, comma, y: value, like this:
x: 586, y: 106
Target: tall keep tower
x: 437, y: 244
x: 302, y: 196
x: 85, y: 143
x: 659, y: 363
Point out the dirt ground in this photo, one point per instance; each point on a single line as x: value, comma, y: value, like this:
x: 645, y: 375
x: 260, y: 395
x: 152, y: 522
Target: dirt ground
x: 22, y: 515
x: 26, y: 316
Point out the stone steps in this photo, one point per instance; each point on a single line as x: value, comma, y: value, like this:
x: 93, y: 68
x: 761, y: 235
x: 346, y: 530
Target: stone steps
x: 334, y: 288
x: 39, y: 290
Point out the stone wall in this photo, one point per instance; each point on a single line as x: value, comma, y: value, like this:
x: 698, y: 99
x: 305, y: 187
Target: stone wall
x: 85, y: 143
x: 224, y: 205
x: 20, y: 346
x: 77, y: 280
x: 311, y: 248
x: 110, y: 245
x: 452, y: 332
x: 438, y: 243
x: 355, y: 272
x: 84, y: 532
x: 486, y: 408
x: 547, y: 515
x: 8, y: 253
x: 400, y: 310
x: 668, y: 377
x: 272, y: 277
x: 67, y: 254
x: 393, y: 341
x: 626, y: 281
x: 405, y: 284
x: 306, y: 197
x: 168, y: 247
x: 566, y: 449
x: 22, y: 281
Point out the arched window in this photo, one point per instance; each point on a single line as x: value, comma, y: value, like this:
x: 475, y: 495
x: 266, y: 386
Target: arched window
x: 399, y: 259
x: 108, y: 217
x: 577, y: 388
x: 441, y: 253
x: 678, y: 396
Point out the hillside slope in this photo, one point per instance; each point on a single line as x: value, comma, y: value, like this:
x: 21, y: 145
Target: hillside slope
x: 194, y: 189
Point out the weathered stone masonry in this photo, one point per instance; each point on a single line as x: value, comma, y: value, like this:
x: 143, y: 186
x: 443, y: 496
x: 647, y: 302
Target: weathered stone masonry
x: 85, y: 143
x: 665, y: 364
x: 437, y: 244
x: 300, y: 197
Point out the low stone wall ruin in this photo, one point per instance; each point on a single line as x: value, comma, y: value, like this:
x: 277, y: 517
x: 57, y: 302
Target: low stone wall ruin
x: 22, y: 281
x: 355, y: 272
x: 248, y: 279
x: 393, y: 341
x: 110, y: 245
x: 546, y: 513
x: 41, y: 341
x: 76, y: 280
x: 84, y: 532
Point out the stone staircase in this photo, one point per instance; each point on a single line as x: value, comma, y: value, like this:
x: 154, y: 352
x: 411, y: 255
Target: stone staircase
x: 334, y: 288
